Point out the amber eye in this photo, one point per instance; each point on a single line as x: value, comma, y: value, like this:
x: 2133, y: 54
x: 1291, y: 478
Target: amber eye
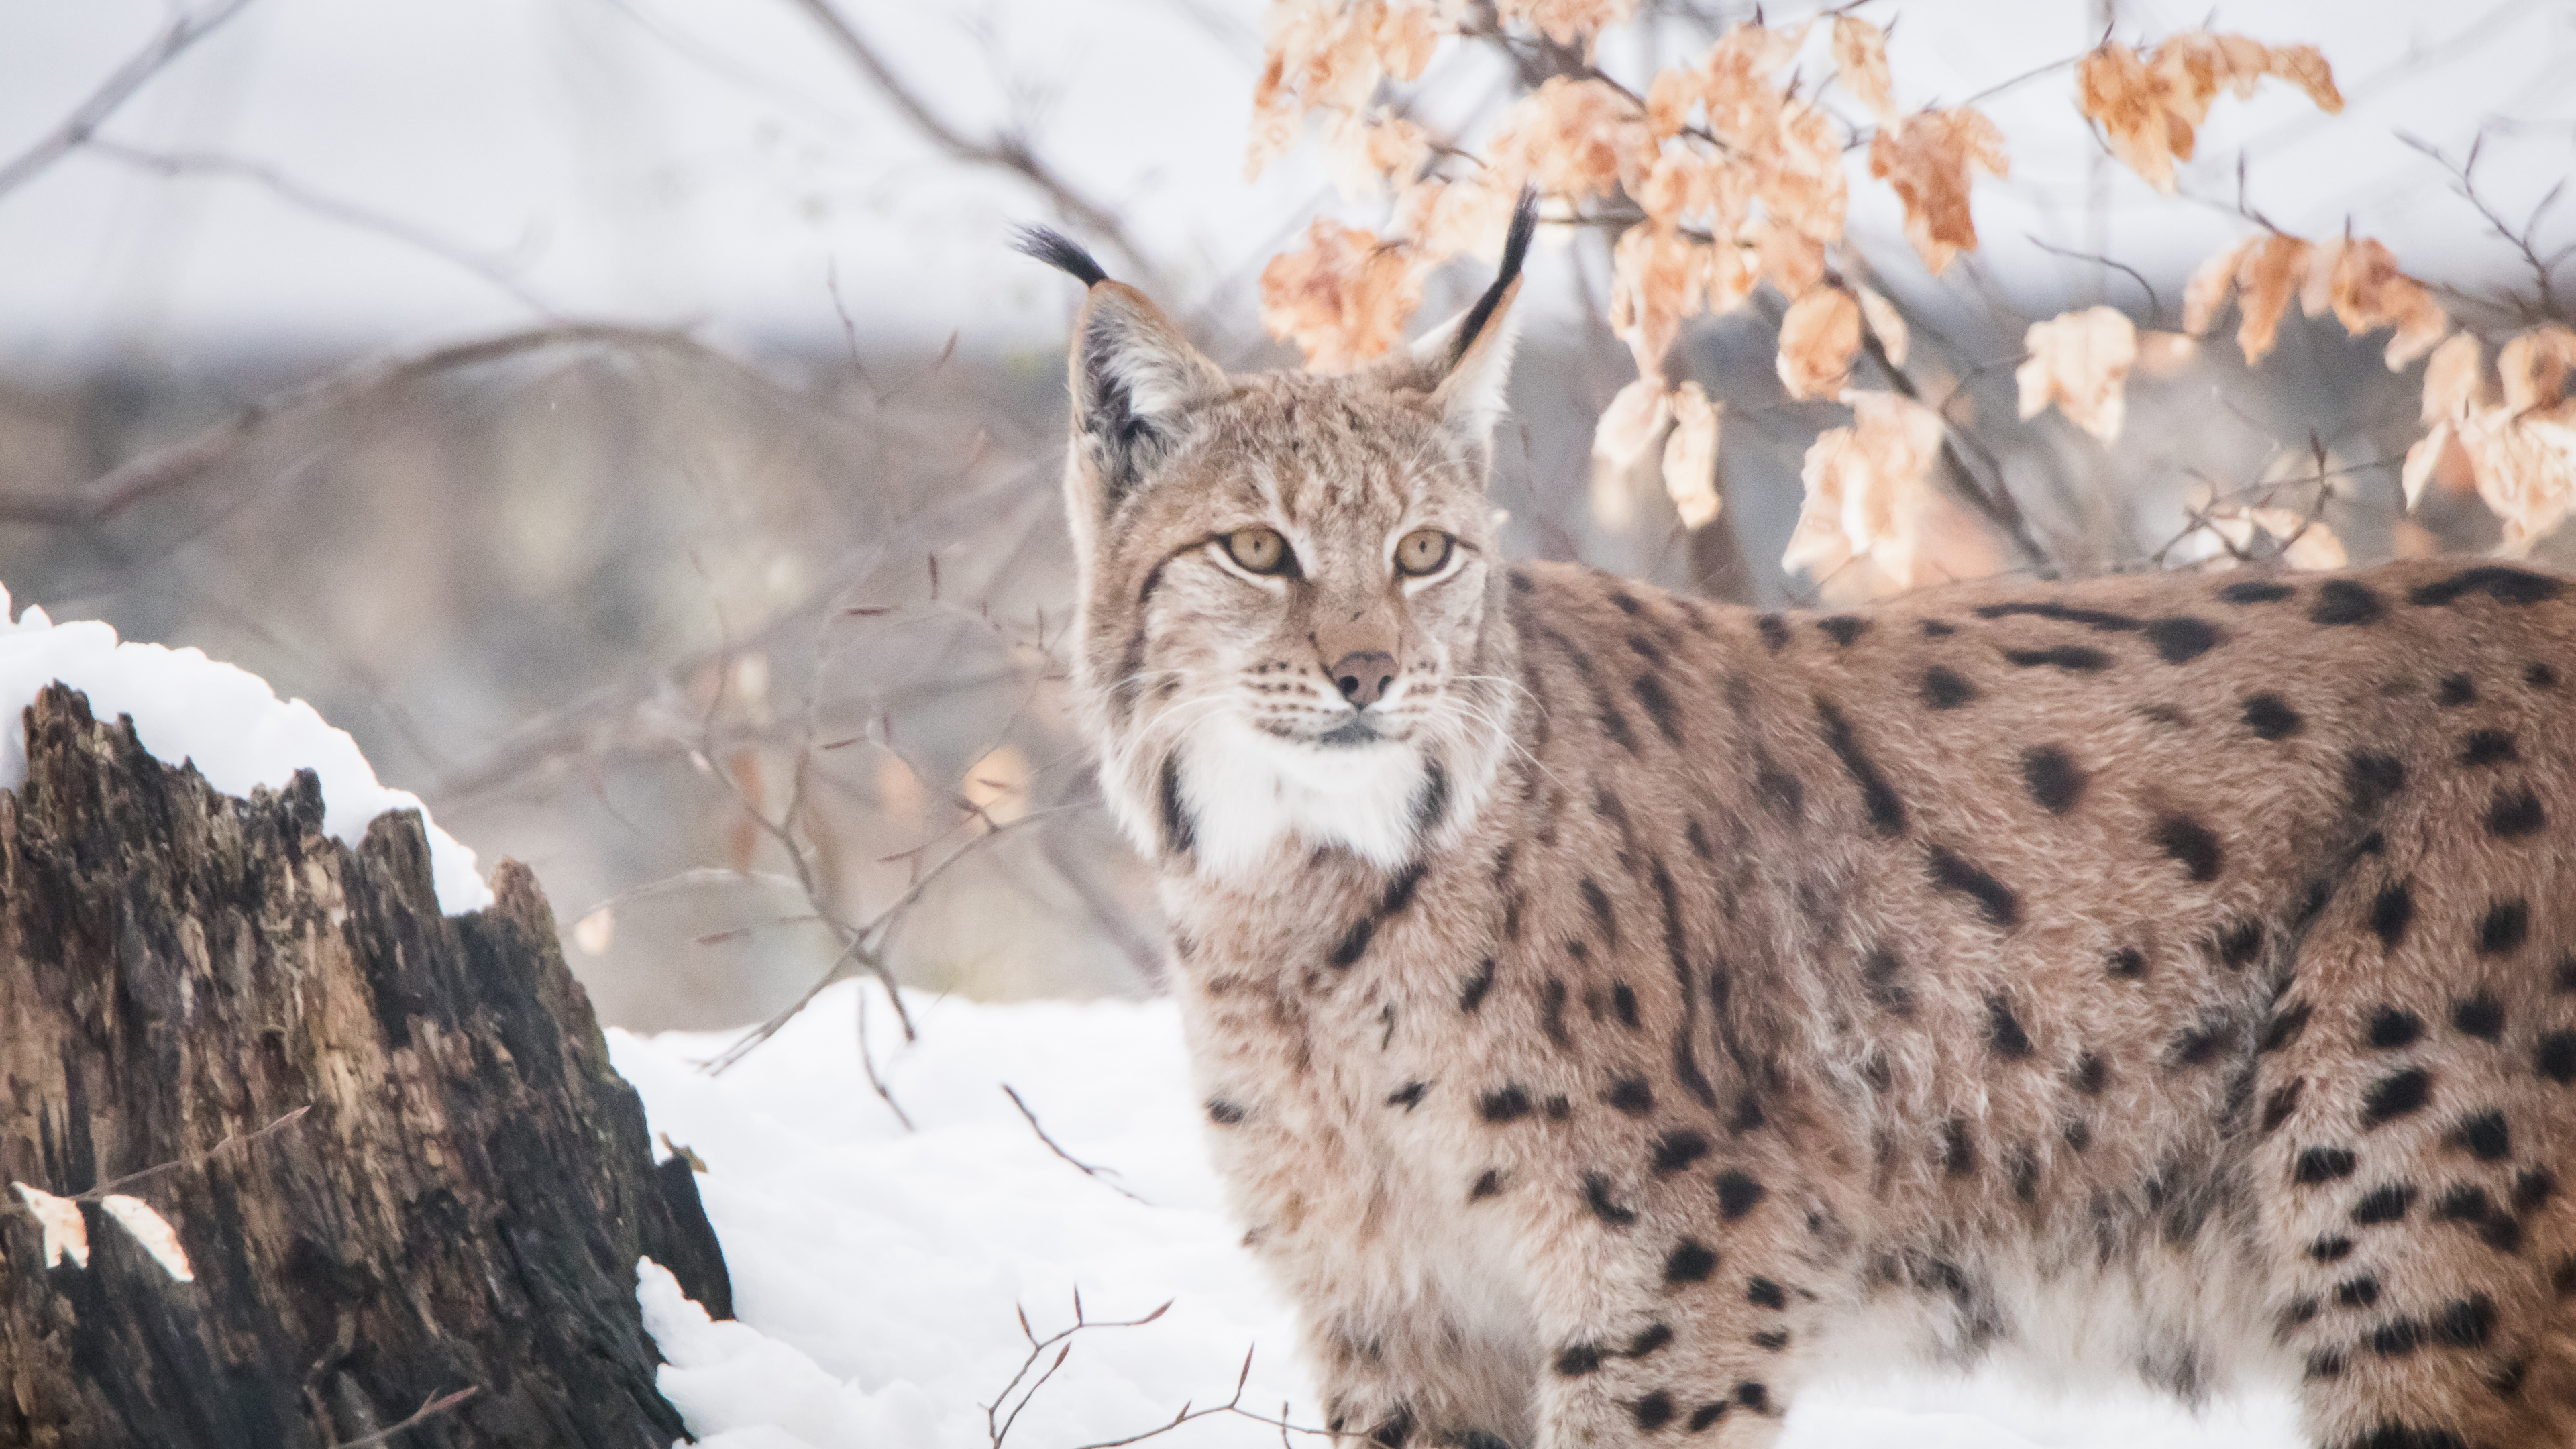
x: 1261, y: 550
x: 1423, y: 551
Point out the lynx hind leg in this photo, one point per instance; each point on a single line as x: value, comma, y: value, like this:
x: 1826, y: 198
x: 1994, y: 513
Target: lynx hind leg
x: 2418, y: 1117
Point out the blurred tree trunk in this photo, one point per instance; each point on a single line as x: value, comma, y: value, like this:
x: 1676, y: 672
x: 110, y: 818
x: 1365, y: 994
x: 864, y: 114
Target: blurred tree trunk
x: 461, y: 1207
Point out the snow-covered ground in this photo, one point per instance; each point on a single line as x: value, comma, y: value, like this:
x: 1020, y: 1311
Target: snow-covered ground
x: 879, y: 1274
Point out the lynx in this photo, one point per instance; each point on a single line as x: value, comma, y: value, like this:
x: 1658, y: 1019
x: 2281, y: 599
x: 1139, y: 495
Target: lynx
x: 1616, y: 1011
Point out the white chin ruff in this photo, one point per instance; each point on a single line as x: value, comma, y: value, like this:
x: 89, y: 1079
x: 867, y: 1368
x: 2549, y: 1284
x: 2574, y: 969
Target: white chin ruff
x: 1249, y: 793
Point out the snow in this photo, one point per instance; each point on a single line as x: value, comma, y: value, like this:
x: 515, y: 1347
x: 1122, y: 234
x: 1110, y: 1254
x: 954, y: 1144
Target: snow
x: 878, y: 1274
x: 225, y: 719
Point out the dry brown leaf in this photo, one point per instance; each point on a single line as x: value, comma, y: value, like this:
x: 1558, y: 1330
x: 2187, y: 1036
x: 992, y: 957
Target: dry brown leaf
x: 1629, y: 436
x: 1316, y: 55
x: 1860, y: 63
x: 1344, y: 296
x: 2206, y: 294
x: 2268, y: 278
x: 1736, y: 89
x: 1886, y: 323
x: 1453, y: 218
x: 151, y: 1232
x: 2454, y: 381
x: 1690, y: 457
x: 2533, y: 367
x: 2080, y: 361
x: 1800, y: 175
x: 2148, y: 106
x: 1926, y: 158
x: 1655, y: 277
x: 1574, y: 138
x: 65, y: 1234
x: 1404, y: 39
x: 1787, y: 258
x: 2370, y: 293
x: 2525, y: 467
x: 1817, y: 340
x: 1566, y: 22
x: 2520, y: 452
x: 2164, y: 354
x: 1363, y: 153
x: 1870, y: 499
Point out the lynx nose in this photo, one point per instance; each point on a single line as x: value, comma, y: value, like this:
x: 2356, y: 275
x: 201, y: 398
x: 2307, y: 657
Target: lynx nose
x: 1363, y: 676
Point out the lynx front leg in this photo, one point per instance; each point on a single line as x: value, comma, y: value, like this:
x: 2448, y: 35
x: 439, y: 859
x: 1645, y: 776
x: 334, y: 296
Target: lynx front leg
x: 1668, y: 1321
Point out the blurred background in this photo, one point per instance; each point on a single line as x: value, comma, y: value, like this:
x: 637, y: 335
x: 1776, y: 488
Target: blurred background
x: 626, y: 418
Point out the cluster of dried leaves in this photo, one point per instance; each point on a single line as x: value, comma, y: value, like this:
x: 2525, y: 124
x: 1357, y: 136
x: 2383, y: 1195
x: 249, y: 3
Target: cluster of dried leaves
x: 1726, y: 173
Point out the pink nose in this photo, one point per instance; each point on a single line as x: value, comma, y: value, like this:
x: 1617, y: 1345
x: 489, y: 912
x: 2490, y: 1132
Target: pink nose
x: 1363, y: 677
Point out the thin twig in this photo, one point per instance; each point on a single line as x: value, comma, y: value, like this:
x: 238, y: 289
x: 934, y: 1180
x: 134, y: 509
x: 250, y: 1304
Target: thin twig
x: 173, y: 40
x: 1004, y: 151
x: 2155, y: 304
x: 193, y: 1159
x: 2464, y: 182
x: 427, y: 1411
x: 997, y: 1423
x: 1101, y: 1174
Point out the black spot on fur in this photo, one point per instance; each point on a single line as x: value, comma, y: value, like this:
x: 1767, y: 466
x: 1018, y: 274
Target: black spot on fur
x: 1880, y: 976
x: 2330, y: 1249
x: 1577, y: 1359
x: 2052, y: 778
x: 2506, y: 925
x: 2504, y: 585
x: 2539, y: 675
x: 1958, y: 1148
x: 2391, y: 1027
x: 2455, y: 690
x: 2342, y: 601
x: 2200, y: 1046
x: 1763, y: 1293
x: 1748, y: 1114
x: 1632, y: 1096
x: 2396, y: 1338
x: 1705, y: 1415
x: 2285, y: 1027
x: 1180, y: 831
x: 2256, y: 591
x: 2395, y: 1096
x: 1623, y: 1003
x: 2392, y: 911
x: 2480, y: 1016
x: 2270, y: 717
x: 1774, y: 632
x: 1596, y: 1196
x: 2193, y: 844
x: 1653, y: 1411
x: 2485, y: 1136
x: 2091, y: 1073
x: 1780, y: 791
x: 2465, y: 1322
x: 1677, y: 1150
x: 2361, y: 1292
x: 2371, y: 779
x: 1355, y: 943
x: 2180, y: 639
x: 2325, y: 1363
x: 2128, y: 963
x: 1945, y: 689
x: 1408, y: 1096
x: 2283, y: 1101
x: 1844, y: 627
x: 1488, y: 1184
x: 2515, y: 814
x: 1551, y: 1006
x: 2003, y: 1030
x: 2241, y: 944
x: 1509, y: 1104
x: 1737, y: 1194
x: 1472, y: 994
x: 2322, y: 1164
x: 2487, y: 747
x: 2099, y: 620
x: 1772, y: 1340
x: 1223, y: 1113
x: 1938, y: 629
x: 1597, y: 901
x: 1995, y: 900
x: 1689, y: 1262
x: 2555, y: 1056
x: 2074, y: 658
x: 1650, y: 692
x: 2078, y: 1134
x: 2533, y: 1188
x: 2385, y: 1203
x: 1753, y: 1396
x: 1886, y: 811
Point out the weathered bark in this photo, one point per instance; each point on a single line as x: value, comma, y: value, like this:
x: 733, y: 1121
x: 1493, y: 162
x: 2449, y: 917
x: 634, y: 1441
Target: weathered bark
x: 462, y: 1207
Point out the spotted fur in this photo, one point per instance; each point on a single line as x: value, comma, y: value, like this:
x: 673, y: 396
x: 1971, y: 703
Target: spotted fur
x: 1645, y: 1006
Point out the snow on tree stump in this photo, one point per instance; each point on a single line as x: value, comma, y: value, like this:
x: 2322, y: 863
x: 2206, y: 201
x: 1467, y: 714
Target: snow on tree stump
x: 461, y: 1207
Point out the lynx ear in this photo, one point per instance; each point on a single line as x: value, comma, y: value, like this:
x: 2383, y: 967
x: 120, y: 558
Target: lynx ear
x: 1465, y: 362
x: 1135, y: 379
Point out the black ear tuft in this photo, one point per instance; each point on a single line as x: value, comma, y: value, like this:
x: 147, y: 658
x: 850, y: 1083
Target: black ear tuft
x: 1515, y: 250
x: 1058, y: 251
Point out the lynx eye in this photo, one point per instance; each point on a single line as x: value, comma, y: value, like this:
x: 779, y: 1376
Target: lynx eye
x: 1261, y: 550
x: 1423, y: 551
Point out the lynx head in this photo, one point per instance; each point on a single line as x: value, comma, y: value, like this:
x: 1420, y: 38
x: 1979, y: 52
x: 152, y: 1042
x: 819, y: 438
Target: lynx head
x: 1292, y: 630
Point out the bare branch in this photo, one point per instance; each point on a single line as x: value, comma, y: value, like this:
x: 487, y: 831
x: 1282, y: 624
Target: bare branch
x: 427, y: 1411
x: 1100, y: 1174
x: 184, y: 30
x: 2155, y: 304
x: 193, y: 1159
x: 1004, y: 151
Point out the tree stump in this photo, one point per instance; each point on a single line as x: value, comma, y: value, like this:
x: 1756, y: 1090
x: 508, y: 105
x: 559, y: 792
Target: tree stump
x: 461, y: 1207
